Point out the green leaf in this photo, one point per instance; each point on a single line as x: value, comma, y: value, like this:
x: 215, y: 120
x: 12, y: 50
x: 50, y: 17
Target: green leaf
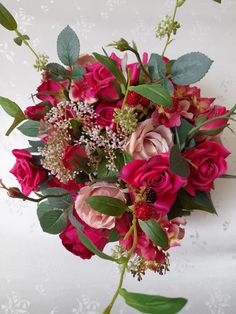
x: 127, y: 157
x: 153, y: 304
x: 168, y: 85
x: 10, y: 107
x: 56, y: 72
x: 218, y: 1
x: 82, y: 177
x: 178, y: 164
x: 85, y: 240
x: 6, y: 19
x: 154, y: 92
x: 213, y: 131
x: 177, y: 210
x: 89, y: 245
x: 30, y: 128
x: 68, y: 46
x: 112, y: 66
x: 53, y: 221
x: 190, y: 68
x: 14, y: 111
x: 183, y: 130
x: 114, y: 236
x: 180, y: 3
x: 107, y: 205
x: 76, y: 126
x: 201, y: 201
x: 156, y: 67
x: 104, y: 174
x: 19, y: 40
x: 34, y: 145
x: 61, y: 200
x: 77, y: 73
x: 42, y: 209
x: 154, y: 232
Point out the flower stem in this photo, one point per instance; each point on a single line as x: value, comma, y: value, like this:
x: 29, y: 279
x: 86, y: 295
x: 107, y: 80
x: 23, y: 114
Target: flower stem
x: 25, y: 41
x: 140, y: 62
x: 169, y: 40
x: 124, y: 266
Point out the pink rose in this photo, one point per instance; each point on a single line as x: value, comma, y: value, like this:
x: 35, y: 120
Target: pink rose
x: 72, y: 243
x: 215, y: 111
x: 154, y: 174
x: 37, y: 112
x: 91, y: 217
x: 81, y: 91
x: 148, y: 140
x: 27, y: 173
x: 173, y: 230
x: 105, y: 112
x: 207, y: 163
x: 73, y: 157
x: 51, y: 91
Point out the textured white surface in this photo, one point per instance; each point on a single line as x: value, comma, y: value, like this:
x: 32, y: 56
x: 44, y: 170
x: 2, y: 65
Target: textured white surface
x: 37, y: 275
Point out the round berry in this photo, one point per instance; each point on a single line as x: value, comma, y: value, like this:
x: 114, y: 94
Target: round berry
x: 143, y: 211
x: 144, y: 101
x: 132, y: 99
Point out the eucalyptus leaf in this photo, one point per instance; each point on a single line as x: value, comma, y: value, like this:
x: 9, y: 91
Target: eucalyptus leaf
x: 178, y: 164
x: 68, y: 46
x: 154, y: 92
x: 107, y: 205
x: 6, y: 19
x: 30, y: 128
x: 190, y: 68
x: 156, y: 67
x: 56, y: 72
x: 77, y: 73
x: 53, y: 221
x: 153, y: 304
x: 154, y: 232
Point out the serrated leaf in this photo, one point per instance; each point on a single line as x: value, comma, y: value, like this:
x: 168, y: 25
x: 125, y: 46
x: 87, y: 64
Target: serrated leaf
x: 178, y: 164
x: 154, y: 92
x: 68, y: 46
x: 201, y: 201
x: 6, y: 19
x: 112, y: 66
x: 53, y: 221
x: 56, y: 72
x: 30, y: 128
x: 154, y: 232
x: 153, y: 304
x: 107, y: 205
x: 190, y: 68
x: 156, y: 67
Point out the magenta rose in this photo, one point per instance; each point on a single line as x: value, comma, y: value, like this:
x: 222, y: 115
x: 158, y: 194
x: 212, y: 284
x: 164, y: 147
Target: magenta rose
x: 27, y: 173
x: 72, y: 243
x: 101, y: 80
x: 154, y: 174
x: 51, y: 91
x: 37, y: 112
x: 73, y: 157
x: 105, y: 112
x: 207, y: 163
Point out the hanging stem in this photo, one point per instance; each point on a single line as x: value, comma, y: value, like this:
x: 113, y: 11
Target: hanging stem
x: 124, y: 266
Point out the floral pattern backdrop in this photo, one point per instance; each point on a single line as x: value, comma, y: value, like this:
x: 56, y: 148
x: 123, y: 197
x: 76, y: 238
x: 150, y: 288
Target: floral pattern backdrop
x: 37, y: 275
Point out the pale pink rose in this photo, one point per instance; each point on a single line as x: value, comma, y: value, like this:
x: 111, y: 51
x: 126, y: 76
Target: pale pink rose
x: 86, y: 59
x: 91, y: 217
x: 149, y: 140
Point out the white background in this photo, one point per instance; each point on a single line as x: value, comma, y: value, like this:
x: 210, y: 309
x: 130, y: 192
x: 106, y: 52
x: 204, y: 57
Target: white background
x: 37, y: 275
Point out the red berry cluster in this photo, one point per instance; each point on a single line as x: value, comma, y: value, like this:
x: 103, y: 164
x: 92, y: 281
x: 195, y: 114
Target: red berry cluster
x: 134, y: 99
x: 143, y: 211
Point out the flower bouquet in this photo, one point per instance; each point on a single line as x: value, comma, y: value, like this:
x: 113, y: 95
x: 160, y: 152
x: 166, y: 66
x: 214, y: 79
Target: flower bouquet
x: 119, y: 152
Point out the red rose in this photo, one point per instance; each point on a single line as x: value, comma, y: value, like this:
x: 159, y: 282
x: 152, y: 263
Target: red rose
x: 27, y: 173
x: 207, y: 164
x: 51, y: 91
x: 72, y: 243
x: 73, y: 157
x: 215, y: 111
x: 105, y: 112
x: 37, y: 112
x: 154, y: 174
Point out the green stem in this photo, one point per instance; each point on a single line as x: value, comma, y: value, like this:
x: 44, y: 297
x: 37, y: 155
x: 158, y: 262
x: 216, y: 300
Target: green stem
x: 168, y: 41
x: 140, y: 62
x: 37, y: 200
x: 177, y: 138
x: 25, y: 41
x: 124, y: 266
